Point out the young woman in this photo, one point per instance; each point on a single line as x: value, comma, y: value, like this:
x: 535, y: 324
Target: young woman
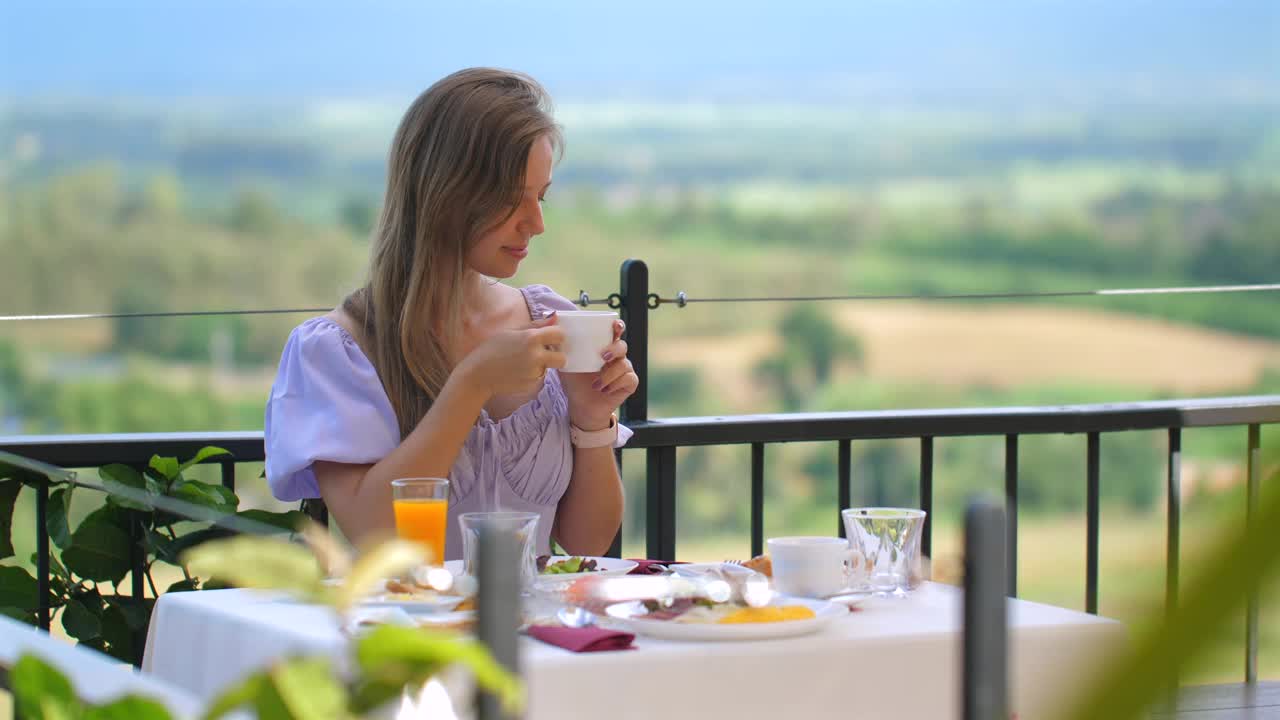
x: 434, y: 368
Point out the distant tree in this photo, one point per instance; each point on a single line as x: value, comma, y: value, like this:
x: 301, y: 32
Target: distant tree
x: 254, y: 213
x: 358, y: 214
x: 812, y: 345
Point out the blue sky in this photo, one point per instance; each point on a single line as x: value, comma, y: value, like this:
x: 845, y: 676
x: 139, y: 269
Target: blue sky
x: 237, y: 48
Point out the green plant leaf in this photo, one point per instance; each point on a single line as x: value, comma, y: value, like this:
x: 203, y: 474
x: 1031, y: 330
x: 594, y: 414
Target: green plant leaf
x: 308, y: 688
x: 130, y: 707
x: 80, y: 622
x: 118, y: 634
x: 41, y: 691
x: 136, y: 611
x: 237, y: 696
x: 1237, y: 562
x: 19, y: 614
x: 18, y: 589
x: 391, y: 657
x: 125, y: 486
x: 374, y: 567
x: 160, y: 546
x: 214, y: 497
x: 166, y: 466
x: 184, y: 586
x: 174, y: 549
x: 55, y: 517
x: 286, y: 521
x: 258, y: 562
x: 9, y: 490
x: 201, y: 455
x: 99, y: 548
x: 31, y: 471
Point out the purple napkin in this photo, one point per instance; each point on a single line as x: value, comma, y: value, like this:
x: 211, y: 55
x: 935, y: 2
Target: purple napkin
x: 649, y: 567
x: 587, y: 639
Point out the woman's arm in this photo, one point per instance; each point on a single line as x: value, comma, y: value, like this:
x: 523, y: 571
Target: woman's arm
x: 359, y: 496
x: 590, y: 512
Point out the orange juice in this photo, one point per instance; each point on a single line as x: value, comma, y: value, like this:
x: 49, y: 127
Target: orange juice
x: 423, y: 520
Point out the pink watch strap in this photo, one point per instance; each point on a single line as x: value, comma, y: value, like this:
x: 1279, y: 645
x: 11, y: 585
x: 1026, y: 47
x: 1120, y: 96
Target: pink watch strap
x: 595, y: 438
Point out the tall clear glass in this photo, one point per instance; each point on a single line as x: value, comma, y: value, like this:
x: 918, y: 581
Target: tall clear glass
x: 887, y: 541
x: 524, y: 525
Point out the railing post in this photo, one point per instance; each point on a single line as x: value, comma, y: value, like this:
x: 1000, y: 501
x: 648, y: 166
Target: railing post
x: 1011, y: 507
x: 926, y: 495
x: 1173, y: 539
x: 757, y: 499
x: 42, y: 552
x: 229, y: 474
x: 634, y: 287
x: 985, y: 642
x: 137, y: 573
x: 1092, y: 517
x: 844, y: 478
x: 1251, y: 504
x: 660, y: 480
x: 1173, y: 520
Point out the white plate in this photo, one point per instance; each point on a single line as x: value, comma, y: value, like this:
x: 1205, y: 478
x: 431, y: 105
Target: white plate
x: 631, y: 615
x: 426, y: 603
x: 606, y: 565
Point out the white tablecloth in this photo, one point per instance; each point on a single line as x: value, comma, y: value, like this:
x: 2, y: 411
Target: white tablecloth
x: 892, y: 659
x: 96, y: 678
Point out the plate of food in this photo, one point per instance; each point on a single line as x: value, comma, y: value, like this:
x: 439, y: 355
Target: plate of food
x: 784, y: 616
x: 414, y: 598
x: 558, y: 568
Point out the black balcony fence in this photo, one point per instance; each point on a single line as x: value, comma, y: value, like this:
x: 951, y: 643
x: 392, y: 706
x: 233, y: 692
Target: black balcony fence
x: 658, y: 440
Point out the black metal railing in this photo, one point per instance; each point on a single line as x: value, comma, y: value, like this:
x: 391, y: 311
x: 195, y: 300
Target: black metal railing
x: 660, y: 438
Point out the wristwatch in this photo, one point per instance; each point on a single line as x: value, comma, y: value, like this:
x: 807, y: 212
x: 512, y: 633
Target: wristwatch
x: 595, y: 438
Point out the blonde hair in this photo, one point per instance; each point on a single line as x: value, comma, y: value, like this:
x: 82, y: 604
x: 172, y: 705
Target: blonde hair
x: 456, y: 168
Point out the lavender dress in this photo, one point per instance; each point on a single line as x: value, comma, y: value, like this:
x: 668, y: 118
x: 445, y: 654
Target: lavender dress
x: 328, y: 404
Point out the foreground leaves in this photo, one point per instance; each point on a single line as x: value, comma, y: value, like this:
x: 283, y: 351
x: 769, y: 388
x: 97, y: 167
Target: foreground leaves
x: 1240, y: 560
x: 254, y: 562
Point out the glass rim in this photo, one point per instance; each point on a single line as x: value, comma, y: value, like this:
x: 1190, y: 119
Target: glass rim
x: 882, y: 513
x: 410, y: 481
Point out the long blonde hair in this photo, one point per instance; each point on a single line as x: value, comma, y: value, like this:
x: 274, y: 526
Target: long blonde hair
x: 456, y: 168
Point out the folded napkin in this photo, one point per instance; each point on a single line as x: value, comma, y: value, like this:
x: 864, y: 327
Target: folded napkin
x: 650, y: 567
x: 587, y: 639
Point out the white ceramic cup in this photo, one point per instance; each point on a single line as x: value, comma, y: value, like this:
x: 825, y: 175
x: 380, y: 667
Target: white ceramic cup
x: 811, y: 566
x: 586, y: 335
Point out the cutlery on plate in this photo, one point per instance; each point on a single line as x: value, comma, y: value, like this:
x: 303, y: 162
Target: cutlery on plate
x: 575, y: 617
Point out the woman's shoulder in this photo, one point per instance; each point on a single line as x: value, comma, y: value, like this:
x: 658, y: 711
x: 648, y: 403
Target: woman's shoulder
x: 330, y: 334
x: 542, y: 298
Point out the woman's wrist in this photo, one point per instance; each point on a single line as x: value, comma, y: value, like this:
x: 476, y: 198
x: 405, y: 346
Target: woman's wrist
x: 591, y: 421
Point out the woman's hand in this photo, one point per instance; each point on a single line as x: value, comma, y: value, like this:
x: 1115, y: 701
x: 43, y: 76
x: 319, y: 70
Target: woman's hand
x: 513, y: 362
x: 594, y: 396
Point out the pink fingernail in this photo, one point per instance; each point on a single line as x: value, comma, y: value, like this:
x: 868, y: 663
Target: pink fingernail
x: 597, y: 385
x: 607, y: 356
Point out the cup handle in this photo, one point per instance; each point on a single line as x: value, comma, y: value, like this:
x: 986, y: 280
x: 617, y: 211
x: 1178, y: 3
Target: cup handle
x: 855, y: 572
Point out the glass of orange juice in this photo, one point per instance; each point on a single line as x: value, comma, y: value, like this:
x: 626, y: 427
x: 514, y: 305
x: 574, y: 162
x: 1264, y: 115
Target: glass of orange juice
x: 422, y: 511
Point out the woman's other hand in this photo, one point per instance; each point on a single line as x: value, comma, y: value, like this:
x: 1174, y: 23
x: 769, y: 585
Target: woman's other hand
x: 594, y: 396
x: 512, y: 362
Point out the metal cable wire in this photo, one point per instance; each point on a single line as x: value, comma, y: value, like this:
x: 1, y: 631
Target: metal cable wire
x: 681, y: 299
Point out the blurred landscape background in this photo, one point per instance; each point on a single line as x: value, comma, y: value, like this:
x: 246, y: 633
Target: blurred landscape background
x: 230, y: 156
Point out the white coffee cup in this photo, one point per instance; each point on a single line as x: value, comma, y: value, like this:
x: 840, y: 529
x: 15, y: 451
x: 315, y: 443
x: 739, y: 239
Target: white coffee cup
x: 811, y: 566
x: 586, y: 335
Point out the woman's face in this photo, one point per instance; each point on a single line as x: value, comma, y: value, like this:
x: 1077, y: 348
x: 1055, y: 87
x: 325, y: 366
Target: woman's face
x: 498, y: 251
